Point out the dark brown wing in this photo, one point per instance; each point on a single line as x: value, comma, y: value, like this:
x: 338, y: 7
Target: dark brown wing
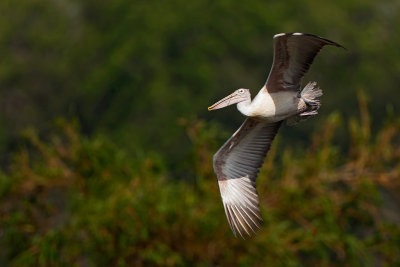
x: 236, y: 165
x: 293, y: 55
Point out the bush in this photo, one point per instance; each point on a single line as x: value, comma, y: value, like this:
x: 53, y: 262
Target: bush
x: 77, y: 201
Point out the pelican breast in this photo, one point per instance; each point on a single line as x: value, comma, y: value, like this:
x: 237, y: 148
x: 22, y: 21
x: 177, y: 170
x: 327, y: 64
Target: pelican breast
x: 273, y: 107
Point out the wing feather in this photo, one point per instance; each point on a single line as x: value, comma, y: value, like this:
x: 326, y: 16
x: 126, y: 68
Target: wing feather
x: 293, y: 55
x: 236, y: 166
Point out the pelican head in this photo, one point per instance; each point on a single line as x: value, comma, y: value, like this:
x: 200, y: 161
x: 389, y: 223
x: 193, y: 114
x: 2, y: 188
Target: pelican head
x: 240, y: 95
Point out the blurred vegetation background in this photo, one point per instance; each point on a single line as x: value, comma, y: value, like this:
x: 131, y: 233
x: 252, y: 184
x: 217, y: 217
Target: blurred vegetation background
x: 106, y: 143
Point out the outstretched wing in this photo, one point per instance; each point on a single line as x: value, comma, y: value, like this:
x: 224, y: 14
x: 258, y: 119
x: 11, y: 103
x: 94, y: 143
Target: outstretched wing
x: 236, y: 165
x: 293, y: 55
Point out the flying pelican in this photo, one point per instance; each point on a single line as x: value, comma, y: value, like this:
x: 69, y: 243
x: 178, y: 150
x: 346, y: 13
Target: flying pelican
x: 237, y: 162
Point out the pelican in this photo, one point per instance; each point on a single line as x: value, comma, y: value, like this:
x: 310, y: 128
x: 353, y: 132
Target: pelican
x: 237, y: 163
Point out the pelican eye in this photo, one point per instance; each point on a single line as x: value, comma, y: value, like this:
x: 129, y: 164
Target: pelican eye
x: 241, y: 91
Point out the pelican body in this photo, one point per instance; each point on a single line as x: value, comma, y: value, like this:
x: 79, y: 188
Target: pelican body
x: 237, y: 162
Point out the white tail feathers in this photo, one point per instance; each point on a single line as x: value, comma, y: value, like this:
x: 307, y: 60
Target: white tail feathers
x: 310, y: 94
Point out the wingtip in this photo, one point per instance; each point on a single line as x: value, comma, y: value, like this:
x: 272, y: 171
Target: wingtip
x: 243, y: 222
x: 329, y: 42
x: 336, y: 44
x: 312, y: 35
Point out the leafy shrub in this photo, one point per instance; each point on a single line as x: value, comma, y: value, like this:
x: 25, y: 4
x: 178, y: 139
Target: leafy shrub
x: 78, y: 201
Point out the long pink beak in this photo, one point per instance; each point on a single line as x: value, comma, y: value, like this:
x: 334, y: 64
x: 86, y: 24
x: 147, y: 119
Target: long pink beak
x: 226, y: 101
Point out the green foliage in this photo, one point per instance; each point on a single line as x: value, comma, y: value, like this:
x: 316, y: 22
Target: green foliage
x: 130, y: 69
x: 73, y: 201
